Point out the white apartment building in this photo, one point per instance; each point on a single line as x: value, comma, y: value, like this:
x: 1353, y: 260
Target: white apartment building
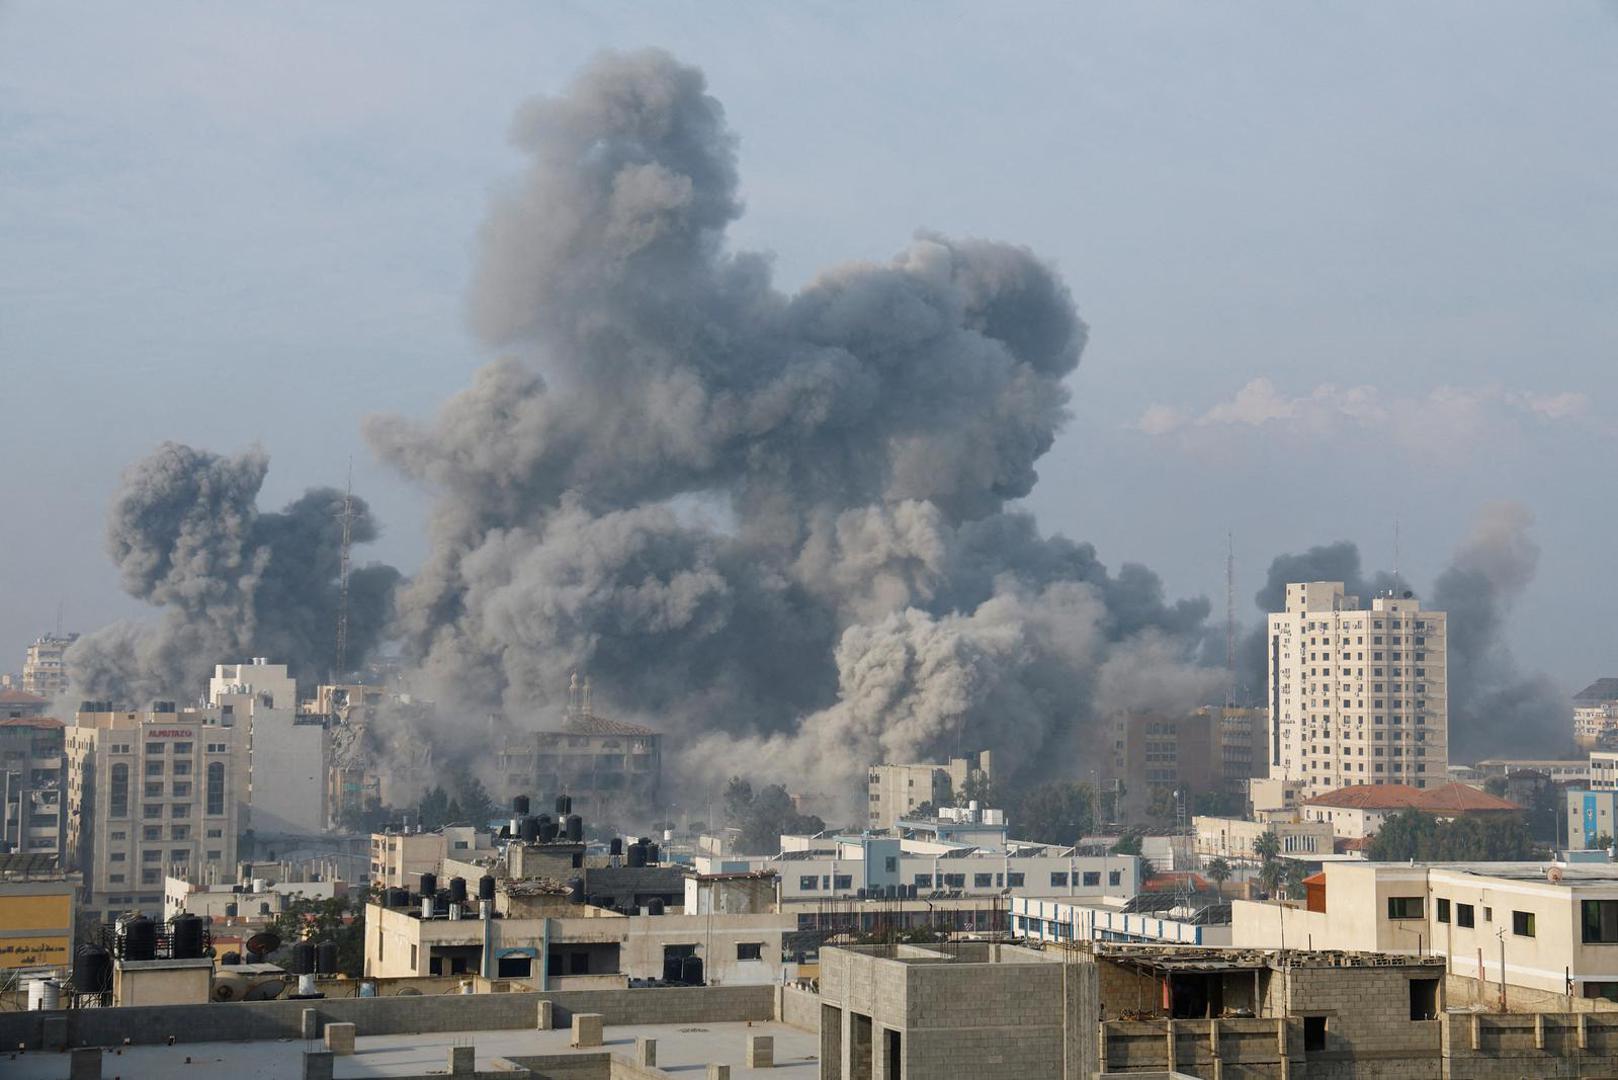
x: 1604, y: 770
x: 895, y: 792
x: 150, y: 795
x: 43, y: 670
x: 285, y: 783
x: 1357, y: 696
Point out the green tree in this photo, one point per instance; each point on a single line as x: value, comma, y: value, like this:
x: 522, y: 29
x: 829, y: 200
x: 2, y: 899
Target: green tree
x: 433, y: 809
x: 738, y: 800
x: 1220, y: 871
x: 1496, y: 786
x: 340, y: 919
x: 1292, y: 875
x: 1604, y: 840
x: 1058, y: 812
x: 1128, y: 844
x: 1219, y: 804
x: 976, y: 788
x: 1411, y: 834
x: 766, y: 816
x: 1271, y: 875
x: 477, y: 805
x: 1267, y: 846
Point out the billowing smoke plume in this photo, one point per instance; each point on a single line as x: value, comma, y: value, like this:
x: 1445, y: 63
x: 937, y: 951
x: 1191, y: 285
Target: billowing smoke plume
x: 187, y: 535
x: 777, y: 521
x: 1494, y: 709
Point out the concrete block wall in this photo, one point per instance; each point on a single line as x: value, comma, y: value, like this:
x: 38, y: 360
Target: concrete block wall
x: 797, y: 1007
x: 250, y: 1020
x: 1493, y: 1046
x: 1250, y: 1048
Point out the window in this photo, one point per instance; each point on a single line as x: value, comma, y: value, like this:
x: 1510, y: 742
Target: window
x: 1424, y: 999
x: 1058, y: 879
x: 954, y: 881
x: 216, y: 834
x: 1442, y: 914
x: 180, y: 832
x: 1608, y: 990
x: 183, y: 791
x: 154, y: 768
x: 180, y: 810
x: 1092, y: 879
x: 182, y: 768
x: 150, y: 877
x: 154, y: 855
x: 116, y: 856
x: 982, y: 881
x: 154, y: 790
x: 1314, y: 1034
x: 749, y: 950
x: 1463, y: 915
x: 842, y: 881
x: 118, y: 799
x: 151, y: 810
x: 1115, y: 877
x: 1600, y: 921
x: 1014, y: 880
x: 116, y: 878
x: 151, y: 832
x: 1522, y: 923
x: 891, y: 864
x: 924, y: 881
x: 216, y: 787
x: 182, y: 748
x: 809, y: 882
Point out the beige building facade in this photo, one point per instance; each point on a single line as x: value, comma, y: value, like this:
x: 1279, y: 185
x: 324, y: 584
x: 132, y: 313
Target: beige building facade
x: 895, y: 792
x: 150, y: 795
x: 1357, y: 696
x: 44, y: 668
x: 1233, y: 838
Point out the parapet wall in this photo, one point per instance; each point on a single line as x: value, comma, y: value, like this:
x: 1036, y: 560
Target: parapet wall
x: 255, y: 1020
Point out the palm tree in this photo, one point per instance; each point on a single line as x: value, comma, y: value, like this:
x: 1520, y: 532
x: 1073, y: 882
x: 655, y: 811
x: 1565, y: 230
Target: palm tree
x: 1270, y: 875
x: 1267, y: 846
x: 1219, y: 870
x: 1293, y: 876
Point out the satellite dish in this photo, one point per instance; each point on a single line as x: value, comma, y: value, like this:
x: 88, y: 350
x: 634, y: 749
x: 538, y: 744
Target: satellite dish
x: 263, y: 943
x: 409, y: 991
x: 1553, y: 875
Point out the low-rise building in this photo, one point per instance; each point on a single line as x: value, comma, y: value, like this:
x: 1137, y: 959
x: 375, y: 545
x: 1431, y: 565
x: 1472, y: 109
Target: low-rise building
x: 399, y: 858
x: 1560, y: 770
x: 1198, y: 919
x: 1592, y: 818
x: 1553, y: 926
x: 15, y: 704
x: 1233, y: 838
x: 1354, y: 813
x: 1604, y: 770
x: 38, y: 909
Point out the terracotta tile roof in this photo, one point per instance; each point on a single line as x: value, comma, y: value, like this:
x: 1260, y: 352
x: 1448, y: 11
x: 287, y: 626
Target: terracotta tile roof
x: 591, y: 724
x: 32, y: 721
x: 19, y: 697
x: 1453, y: 798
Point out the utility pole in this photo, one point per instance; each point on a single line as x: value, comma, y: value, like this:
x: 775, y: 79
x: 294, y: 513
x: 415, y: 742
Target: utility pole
x: 1501, y: 934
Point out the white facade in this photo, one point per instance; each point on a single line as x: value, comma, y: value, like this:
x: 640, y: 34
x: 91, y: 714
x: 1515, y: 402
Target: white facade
x: 1233, y: 838
x: 1056, y: 920
x: 1604, y: 770
x: 43, y: 670
x: 288, y: 754
x: 1357, y: 696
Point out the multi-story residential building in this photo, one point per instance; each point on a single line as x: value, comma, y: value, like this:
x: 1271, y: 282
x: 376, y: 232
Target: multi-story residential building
x: 1595, y: 724
x: 1603, y: 770
x: 286, y: 782
x: 1233, y: 838
x: 612, y: 770
x: 150, y: 795
x: 894, y: 792
x: 1155, y: 756
x: 15, y: 704
x: 1592, y: 818
x: 398, y: 859
x: 1147, y: 919
x: 1357, y: 696
x: 43, y: 670
x: 1242, y: 735
x: 33, y: 779
x: 37, y: 914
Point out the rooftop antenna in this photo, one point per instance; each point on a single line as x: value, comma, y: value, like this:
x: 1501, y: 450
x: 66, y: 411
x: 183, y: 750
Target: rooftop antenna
x: 1230, y: 620
x: 1398, y: 581
x: 347, y: 518
x: 58, y: 619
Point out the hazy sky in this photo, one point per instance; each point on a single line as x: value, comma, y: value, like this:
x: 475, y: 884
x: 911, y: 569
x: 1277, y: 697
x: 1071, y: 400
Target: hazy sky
x: 1342, y: 263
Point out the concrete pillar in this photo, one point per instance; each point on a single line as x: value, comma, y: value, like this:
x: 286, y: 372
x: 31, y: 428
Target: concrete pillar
x: 1168, y: 1027
x: 1539, y: 1031
x: 53, y: 1033
x: 340, y: 1038
x: 84, y: 1063
x: 547, y: 1016
x: 586, y: 1029
x: 317, y: 1064
x: 1584, y: 1031
x: 463, y: 1060
x: 311, y: 1024
x: 645, y: 1052
x: 718, y: 1072
x: 1101, y: 1046
x: 1477, y: 1031
x: 761, y: 1051
x: 1213, y: 1038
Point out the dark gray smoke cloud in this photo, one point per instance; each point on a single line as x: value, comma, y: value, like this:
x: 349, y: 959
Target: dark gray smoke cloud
x: 187, y: 536
x: 1494, y: 708
x: 775, y: 520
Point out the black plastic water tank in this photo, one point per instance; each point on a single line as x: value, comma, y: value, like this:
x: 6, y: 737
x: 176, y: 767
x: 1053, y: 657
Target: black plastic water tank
x: 230, y: 959
x: 615, y: 846
x: 187, y: 935
x: 264, y: 907
x: 326, y: 958
x: 637, y: 855
x: 486, y: 887
x: 575, y: 828
x: 140, y: 939
x: 672, y: 968
x: 575, y: 891
x: 528, y: 829
x: 651, y: 854
x: 429, y: 884
x: 564, y: 805
x: 654, y: 906
x: 457, y: 890
x: 547, y: 829
x: 860, y: 893
x: 519, y: 806
x: 231, y: 910
x: 92, y: 969
x: 691, y: 971
x: 303, y: 958
x: 398, y: 898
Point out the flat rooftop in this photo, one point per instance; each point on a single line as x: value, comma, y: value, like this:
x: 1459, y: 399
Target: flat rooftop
x: 1570, y: 872
x: 682, y: 1050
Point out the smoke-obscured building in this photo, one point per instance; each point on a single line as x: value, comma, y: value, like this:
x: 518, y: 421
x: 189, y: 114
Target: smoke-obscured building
x: 1155, y: 755
x: 1241, y: 734
x: 44, y: 671
x: 611, y: 769
x: 895, y: 792
x: 1357, y: 696
x: 151, y: 795
x: 33, y: 774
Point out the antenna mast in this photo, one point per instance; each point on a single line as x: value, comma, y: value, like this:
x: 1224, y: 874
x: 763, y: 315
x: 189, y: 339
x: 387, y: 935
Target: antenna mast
x: 347, y: 518
x: 1230, y: 620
